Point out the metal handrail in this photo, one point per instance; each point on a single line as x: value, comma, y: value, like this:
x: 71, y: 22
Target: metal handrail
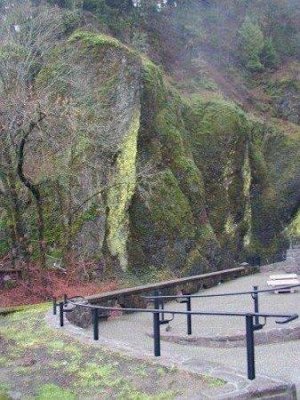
x: 155, y: 310
x: 251, y: 326
x: 219, y: 294
x: 188, y: 297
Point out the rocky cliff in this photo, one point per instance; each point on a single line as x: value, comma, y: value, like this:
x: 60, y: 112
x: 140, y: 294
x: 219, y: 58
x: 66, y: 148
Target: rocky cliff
x: 189, y: 187
x: 136, y: 174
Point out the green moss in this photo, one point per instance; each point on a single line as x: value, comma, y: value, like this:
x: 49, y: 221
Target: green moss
x: 54, y: 392
x: 219, y: 133
x: 175, y: 206
x: 230, y: 227
x: 165, y: 125
x: 170, y: 126
x: 188, y: 174
x: 247, y: 217
x: 163, y: 211
x: 6, y: 223
x: 154, y: 92
x: 266, y: 236
x: 206, y: 232
x: 91, y: 213
x: 258, y: 165
x: 108, y: 87
x: 246, y: 174
x: 96, y: 40
x: 169, y: 208
x: 217, y: 117
x: 195, y: 263
x: 53, y: 74
x: 293, y: 229
x: 120, y: 195
x: 191, y: 183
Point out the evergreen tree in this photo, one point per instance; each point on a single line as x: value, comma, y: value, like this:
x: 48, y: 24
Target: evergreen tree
x: 251, y: 44
x: 269, y: 56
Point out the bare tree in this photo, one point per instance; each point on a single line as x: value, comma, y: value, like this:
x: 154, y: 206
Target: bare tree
x: 27, y: 36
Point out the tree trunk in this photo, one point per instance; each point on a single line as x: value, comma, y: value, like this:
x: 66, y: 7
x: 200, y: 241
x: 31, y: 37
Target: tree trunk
x: 35, y: 192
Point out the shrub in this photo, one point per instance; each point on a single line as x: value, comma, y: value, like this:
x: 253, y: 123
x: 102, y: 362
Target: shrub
x: 251, y: 44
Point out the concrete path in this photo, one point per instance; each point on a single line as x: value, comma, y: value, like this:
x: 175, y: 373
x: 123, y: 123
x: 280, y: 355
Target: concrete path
x: 273, y: 360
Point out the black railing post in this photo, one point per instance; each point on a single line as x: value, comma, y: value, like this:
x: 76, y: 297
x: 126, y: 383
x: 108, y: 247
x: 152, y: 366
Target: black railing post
x: 95, y: 314
x: 156, y: 326
x: 256, y: 306
x: 161, y: 305
x: 65, y: 298
x: 54, y: 305
x: 156, y: 334
x: 189, y: 316
x: 156, y: 299
x: 250, y: 346
x: 61, y: 313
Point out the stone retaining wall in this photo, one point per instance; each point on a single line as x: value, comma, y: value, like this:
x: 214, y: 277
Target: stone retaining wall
x: 132, y: 297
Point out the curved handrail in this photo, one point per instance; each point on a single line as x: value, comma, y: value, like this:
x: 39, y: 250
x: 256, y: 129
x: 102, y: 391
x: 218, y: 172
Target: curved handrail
x: 251, y: 327
x: 214, y: 313
x: 289, y: 319
x: 220, y: 294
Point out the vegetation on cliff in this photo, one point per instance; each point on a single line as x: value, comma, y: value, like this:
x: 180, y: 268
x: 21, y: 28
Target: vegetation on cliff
x: 140, y: 136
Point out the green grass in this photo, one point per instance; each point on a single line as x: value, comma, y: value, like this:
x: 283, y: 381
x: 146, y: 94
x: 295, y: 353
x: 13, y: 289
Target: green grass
x: 54, y: 392
x: 44, y: 364
x: 3, y: 391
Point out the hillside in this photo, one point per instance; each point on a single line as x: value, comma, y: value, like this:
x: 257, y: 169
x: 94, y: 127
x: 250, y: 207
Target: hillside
x: 149, y: 138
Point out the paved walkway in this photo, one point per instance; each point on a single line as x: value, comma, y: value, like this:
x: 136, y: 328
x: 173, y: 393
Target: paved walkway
x: 131, y: 332
x: 274, y: 360
x: 215, y: 326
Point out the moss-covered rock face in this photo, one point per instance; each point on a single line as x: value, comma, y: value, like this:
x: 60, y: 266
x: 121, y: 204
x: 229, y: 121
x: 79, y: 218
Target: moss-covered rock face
x: 219, y: 161
x: 294, y: 228
x: 282, y: 157
x: 162, y: 222
x: 145, y: 177
x: 220, y: 143
x: 120, y: 193
x: 94, y: 174
x: 169, y: 222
